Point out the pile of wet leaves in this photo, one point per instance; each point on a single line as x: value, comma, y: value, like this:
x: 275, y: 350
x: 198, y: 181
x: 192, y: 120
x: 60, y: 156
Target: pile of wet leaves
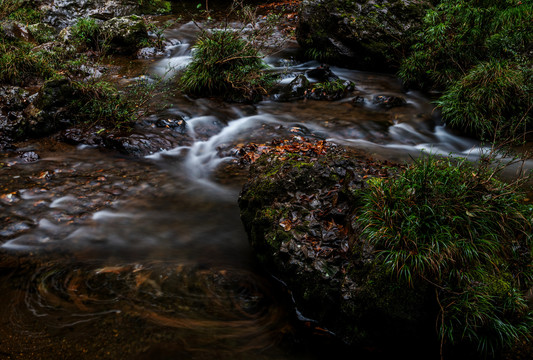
x: 304, y: 190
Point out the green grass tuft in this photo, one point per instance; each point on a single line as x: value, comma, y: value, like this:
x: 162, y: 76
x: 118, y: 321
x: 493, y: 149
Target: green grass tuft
x: 479, y: 53
x: 456, y: 227
x: 225, y: 64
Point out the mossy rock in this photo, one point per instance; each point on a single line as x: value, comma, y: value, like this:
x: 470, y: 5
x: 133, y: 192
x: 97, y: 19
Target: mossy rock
x: 155, y: 6
x: 50, y: 110
x: 124, y: 35
x: 42, y: 33
x: 297, y: 210
x: 14, y: 31
x: 359, y: 34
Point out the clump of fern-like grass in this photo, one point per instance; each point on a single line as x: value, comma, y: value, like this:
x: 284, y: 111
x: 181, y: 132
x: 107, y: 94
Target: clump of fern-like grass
x: 492, y: 101
x: 21, y: 64
x: 225, y: 64
x: 478, y: 53
x: 454, y: 226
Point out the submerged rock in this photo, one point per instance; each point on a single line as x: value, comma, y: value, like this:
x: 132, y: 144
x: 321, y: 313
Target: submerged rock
x: 322, y: 74
x: 29, y: 156
x: 295, y: 90
x: 361, y: 33
x: 135, y: 144
x: 298, y: 210
x: 330, y: 87
x: 388, y: 101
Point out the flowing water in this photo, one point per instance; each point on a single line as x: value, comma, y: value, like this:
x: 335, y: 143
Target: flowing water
x: 110, y: 257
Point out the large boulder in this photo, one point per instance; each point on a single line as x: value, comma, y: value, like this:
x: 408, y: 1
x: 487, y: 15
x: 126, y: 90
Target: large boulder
x: 298, y: 210
x: 368, y: 34
x: 124, y: 35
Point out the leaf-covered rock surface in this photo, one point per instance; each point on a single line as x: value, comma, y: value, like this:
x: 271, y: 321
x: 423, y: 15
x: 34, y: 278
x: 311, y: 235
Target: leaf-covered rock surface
x: 317, y: 223
x: 296, y: 208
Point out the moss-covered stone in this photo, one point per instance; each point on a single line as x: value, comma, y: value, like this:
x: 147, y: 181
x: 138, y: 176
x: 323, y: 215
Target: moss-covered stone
x: 154, y: 6
x: 49, y: 112
x: 297, y: 210
x: 359, y: 33
x: 124, y: 35
x: 42, y: 32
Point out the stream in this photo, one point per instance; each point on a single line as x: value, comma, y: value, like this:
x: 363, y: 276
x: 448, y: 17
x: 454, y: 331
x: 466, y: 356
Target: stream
x: 108, y: 257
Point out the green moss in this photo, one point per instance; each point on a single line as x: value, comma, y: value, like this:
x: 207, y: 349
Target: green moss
x: 360, y: 33
x: 155, y: 6
x: 42, y: 33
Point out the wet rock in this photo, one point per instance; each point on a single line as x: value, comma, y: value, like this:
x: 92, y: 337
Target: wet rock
x: 297, y: 208
x: 13, y: 98
x: 136, y: 145
x: 322, y: 74
x: 55, y: 93
x: 77, y: 136
x: 14, y: 30
x: 178, y: 125
x: 11, y: 125
x: 359, y: 34
x: 29, y: 156
x: 148, y: 52
x: 6, y: 143
x: 358, y: 101
x: 14, y: 226
x: 388, y: 101
x: 295, y: 90
x: 125, y: 34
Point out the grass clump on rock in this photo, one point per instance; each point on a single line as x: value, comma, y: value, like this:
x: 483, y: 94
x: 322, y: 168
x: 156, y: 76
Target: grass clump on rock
x: 21, y: 64
x: 19, y: 10
x: 85, y: 33
x: 468, y: 235
x: 478, y: 52
x: 101, y: 103
x: 225, y: 64
x: 493, y: 100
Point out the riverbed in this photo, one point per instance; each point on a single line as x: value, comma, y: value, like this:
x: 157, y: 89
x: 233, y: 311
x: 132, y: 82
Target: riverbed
x: 106, y: 256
